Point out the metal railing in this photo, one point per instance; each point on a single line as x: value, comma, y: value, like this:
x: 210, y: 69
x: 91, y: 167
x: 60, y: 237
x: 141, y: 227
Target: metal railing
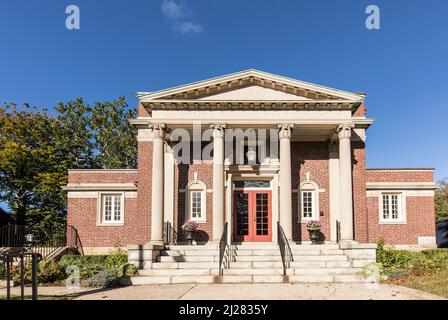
x: 225, y: 253
x: 7, y: 260
x: 43, y: 241
x: 169, y: 234
x: 338, y: 231
x: 285, y: 249
x: 12, y: 236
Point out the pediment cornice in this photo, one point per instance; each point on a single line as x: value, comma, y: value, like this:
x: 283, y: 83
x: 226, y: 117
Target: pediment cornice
x: 208, y: 88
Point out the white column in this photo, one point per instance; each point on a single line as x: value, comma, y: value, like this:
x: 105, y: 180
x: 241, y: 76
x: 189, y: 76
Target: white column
x: 158, y: 134
x: 335, y: 203
x: 218, y: 181
x: 345, y: 178
x: 285, y: 179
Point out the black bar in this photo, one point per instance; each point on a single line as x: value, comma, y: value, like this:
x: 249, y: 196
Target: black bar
x: 34, y: 276
x: 8, y: 279
x: 22, y: 283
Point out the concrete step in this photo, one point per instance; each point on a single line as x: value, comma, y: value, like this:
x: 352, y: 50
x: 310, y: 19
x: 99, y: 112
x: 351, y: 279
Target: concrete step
x: 320, y: 258
x: 311, y: 279
x: 187, y: 258
x: 327, y: 271
x: 176, y: 272
x: 251, y: 272
x: 198, y: 265
x: 193, y: 247
x: 258, y: 258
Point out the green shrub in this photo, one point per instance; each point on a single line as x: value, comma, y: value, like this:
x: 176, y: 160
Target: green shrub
x: 399, y: 263
x: 102, y: 270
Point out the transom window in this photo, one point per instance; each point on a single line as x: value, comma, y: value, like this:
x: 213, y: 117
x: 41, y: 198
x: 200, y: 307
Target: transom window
x: 112, y: 208
x: 391, y: 208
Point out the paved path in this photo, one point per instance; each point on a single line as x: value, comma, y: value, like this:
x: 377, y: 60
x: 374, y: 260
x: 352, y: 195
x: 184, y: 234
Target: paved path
x: 239, y: 292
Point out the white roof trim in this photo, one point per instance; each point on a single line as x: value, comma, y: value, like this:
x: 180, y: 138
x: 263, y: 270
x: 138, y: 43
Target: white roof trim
x: 100, y: 187
x: 148, y: 96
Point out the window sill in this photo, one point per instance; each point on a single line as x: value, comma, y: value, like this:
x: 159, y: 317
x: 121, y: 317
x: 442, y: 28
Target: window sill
x: 393, y: 222
x: 110, y: 224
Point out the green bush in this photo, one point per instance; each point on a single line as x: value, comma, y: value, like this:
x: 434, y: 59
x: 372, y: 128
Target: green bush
x: 399, y: 263
x: 94, y: 271
x: 100, y: 271
x: 47, y: 272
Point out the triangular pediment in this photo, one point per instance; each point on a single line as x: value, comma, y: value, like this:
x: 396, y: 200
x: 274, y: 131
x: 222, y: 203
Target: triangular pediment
x: 253, y: 93
x: 250, y: 85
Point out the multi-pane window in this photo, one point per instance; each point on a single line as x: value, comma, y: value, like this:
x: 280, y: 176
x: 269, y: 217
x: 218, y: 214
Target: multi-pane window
x: 196, y: 201
x: 112, y: 208
x: 308, y: 206
x: 196, y: 204
x: 391, y: 207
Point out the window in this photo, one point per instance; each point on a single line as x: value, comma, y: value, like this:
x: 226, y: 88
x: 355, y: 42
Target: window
x: 391, y: 208
x: 196, y: 201
x: 308, y: 206
x: 196, y: 204
x: 112, y: 209
x: 308, y: 201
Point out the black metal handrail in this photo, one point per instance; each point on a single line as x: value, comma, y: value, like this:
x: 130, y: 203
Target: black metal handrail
x: 338, y: 231
x: 169, y: 234
x: 285, y: 249
x: 224, y: 252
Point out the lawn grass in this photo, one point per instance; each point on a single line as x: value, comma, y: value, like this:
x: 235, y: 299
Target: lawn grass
x: 436, y: 283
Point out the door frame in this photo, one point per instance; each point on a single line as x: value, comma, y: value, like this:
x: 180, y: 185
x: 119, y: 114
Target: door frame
x: 252, y: 205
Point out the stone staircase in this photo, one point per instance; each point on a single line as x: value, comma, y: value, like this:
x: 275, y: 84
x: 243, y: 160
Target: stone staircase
x: 253, y: 263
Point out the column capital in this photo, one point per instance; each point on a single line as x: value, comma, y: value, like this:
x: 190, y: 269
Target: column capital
x: 285, y: 130
x: 218, y: 130
x: 345, y: 130
x: 158, y: 130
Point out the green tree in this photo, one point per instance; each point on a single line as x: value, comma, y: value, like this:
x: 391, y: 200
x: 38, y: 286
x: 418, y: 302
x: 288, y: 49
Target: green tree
x: 441, y: 200
x: 37, y: 149
x: 29, y: 161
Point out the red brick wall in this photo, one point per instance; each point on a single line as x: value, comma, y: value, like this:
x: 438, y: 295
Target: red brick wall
x: 102, y: 177
x: 359, y: 191
x: 184, y: 173
x: 310, y: 157
x: 400, y: 175
x: 83, y: 216
x: 82, y: 213
x: 420, y: 222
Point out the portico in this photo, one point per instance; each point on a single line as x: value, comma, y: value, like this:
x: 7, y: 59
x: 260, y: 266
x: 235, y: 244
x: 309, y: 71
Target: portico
x: 281, y: 114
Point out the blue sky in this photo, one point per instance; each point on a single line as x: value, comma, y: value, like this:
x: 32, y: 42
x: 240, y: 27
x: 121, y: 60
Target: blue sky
x: 125, y: 46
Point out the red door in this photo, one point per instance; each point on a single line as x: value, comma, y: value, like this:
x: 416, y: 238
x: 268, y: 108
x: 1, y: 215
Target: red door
x: 252, y: 216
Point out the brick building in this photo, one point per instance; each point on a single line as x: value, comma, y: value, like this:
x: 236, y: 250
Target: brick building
x: 261, y: 154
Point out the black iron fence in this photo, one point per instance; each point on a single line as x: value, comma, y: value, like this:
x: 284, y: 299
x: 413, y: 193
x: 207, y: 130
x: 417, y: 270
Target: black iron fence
x: 338, y: 231
x: 36, y: 239
x: 20, y: 260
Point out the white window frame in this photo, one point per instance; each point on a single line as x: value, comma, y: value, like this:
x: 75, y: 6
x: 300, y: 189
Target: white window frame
x: 102, y: 210
x: 401, y: 208
x: 192, y: 187
x: 309, y: 186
